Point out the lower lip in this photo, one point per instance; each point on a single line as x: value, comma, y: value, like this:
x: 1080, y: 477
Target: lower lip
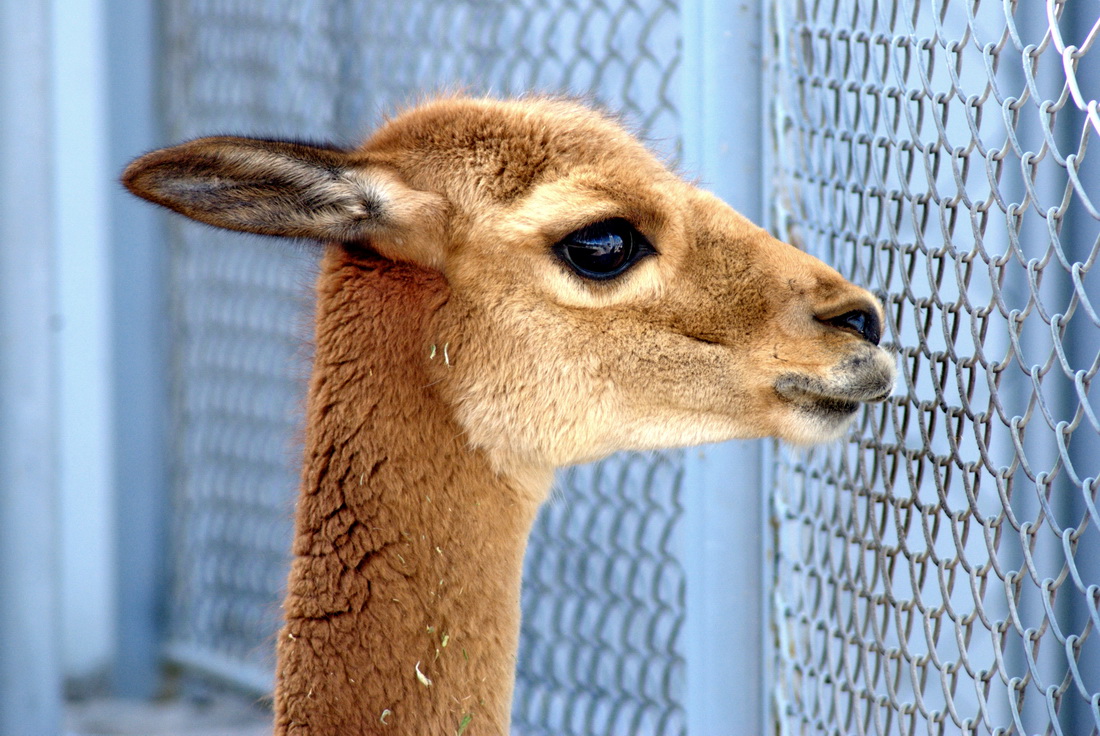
x: 833, y: 407
x: 823, y: 405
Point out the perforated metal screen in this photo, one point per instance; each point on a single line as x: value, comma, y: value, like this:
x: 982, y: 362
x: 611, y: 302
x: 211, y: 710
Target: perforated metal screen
x: 938, y: 572
x: 604, y: 587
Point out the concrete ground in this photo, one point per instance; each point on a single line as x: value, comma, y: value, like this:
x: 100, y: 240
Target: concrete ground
x: 223, y: 714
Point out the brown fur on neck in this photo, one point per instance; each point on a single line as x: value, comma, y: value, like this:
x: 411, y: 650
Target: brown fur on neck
x: 381, y: 581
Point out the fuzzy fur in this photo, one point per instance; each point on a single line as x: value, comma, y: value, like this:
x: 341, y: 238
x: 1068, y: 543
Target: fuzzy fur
x: 408, y: 546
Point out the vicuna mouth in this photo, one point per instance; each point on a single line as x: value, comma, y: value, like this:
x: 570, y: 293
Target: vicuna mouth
x: 860, y: 380
x: 810, y: 395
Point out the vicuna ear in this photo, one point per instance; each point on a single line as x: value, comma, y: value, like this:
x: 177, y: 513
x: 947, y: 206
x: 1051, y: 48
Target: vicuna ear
x: 292, y: 189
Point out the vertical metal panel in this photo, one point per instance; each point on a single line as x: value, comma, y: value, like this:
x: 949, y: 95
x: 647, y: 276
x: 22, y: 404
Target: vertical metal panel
x: 1082, y: 337
x: 140, y: 364
x: 721, y: 115
x: 724, y: 499
x: 30, y: 687
x: 724, y: 630
x: 83, y: 184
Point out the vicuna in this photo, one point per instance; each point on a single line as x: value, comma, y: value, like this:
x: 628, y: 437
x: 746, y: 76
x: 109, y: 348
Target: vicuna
x: 507, y: 287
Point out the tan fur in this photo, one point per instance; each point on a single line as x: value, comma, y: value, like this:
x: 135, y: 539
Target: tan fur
x: 458, y: 361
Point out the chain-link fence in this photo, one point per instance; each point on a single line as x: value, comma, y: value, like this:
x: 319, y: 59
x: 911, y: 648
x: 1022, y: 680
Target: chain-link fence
x: 603, y: 597
x: 940, y: 571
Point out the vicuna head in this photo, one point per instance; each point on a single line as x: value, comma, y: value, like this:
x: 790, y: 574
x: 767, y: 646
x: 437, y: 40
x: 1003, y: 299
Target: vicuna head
x: 598, y: 302
x: 509, y: 287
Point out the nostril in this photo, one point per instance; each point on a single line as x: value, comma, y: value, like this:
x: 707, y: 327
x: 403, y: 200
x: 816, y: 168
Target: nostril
x: 864, y: 323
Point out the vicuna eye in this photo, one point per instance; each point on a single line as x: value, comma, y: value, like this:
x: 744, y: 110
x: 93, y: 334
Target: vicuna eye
x: 603, y: 250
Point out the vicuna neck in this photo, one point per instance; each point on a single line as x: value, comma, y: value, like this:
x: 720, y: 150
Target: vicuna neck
x: 409, y: 548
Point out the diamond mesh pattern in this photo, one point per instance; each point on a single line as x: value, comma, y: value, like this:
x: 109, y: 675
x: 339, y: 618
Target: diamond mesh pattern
x: 603, y: 604
x: 604, y: 595
x: 939, y: 572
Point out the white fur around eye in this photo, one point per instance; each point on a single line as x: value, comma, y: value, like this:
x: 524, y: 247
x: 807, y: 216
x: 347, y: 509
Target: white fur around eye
x: 643, y: 282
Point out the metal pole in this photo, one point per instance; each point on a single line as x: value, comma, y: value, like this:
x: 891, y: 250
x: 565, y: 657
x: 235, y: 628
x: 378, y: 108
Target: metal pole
x: 30, y: 679
x: 141, y: 374
x: 81, y: 186
x: 1081, y: 343
x: 725, y: 504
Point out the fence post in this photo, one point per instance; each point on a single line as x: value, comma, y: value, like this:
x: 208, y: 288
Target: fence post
x: 721, y: 116
x: 82, y: 185
x: 141, y: 346
x: 30, y: 678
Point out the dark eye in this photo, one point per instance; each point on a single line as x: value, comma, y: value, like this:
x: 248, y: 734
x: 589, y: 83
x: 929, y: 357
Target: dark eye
x: 603, y: 250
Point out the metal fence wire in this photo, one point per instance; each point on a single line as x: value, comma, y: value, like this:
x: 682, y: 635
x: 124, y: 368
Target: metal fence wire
x: 939, y: 572
x: 603, y: 596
